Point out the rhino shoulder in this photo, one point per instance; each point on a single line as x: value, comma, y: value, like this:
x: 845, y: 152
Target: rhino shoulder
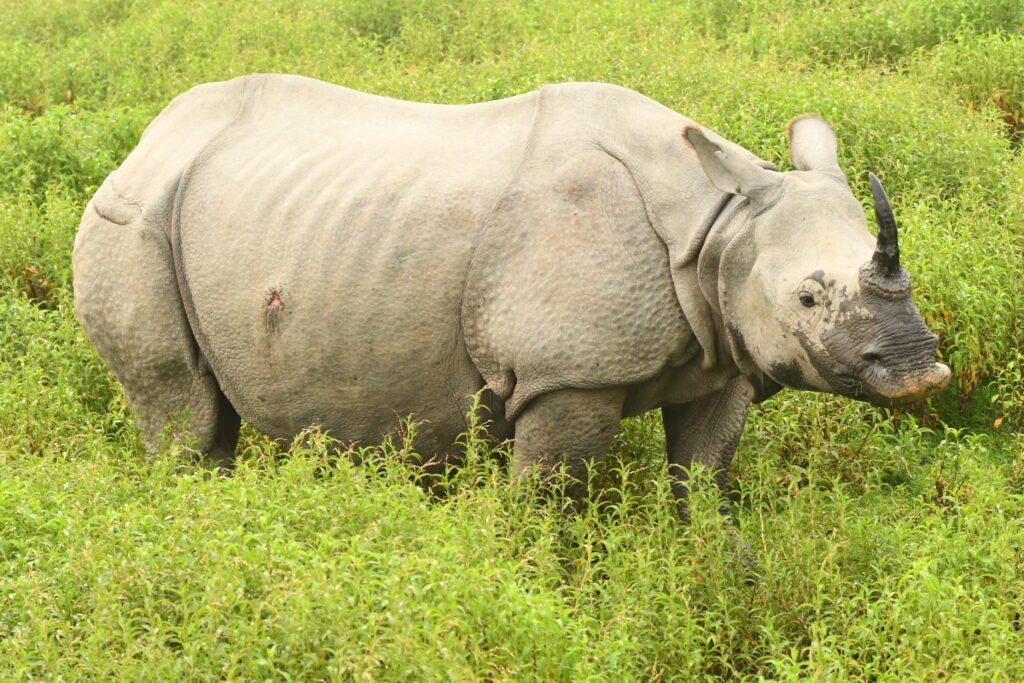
x: 570, y: 286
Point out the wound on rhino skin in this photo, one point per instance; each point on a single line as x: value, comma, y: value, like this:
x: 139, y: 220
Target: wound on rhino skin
x: 274, y: 309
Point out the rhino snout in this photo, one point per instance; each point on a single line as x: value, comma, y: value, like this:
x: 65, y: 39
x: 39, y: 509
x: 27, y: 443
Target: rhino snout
x: 918, y: 386
x: 902, y: 371
x: 901, y: 355
x: 885, y: 358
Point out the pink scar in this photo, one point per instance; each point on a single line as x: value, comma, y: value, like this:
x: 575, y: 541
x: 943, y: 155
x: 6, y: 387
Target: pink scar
x: 275, y: 301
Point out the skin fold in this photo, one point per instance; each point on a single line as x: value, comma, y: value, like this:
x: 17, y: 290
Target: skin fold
x: 295, y: 254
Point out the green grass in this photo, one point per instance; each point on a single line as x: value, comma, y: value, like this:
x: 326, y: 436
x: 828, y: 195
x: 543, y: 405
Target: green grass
x: 889, y: 546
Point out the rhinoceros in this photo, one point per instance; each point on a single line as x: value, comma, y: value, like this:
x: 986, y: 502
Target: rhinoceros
x: 297, y: 254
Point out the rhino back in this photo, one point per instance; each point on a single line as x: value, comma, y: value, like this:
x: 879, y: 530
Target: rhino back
x: 323, y: 241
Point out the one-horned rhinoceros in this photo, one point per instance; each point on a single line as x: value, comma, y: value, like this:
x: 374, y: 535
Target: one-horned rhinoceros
x: 298, y: 254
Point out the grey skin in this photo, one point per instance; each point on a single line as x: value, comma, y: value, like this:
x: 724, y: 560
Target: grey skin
x: 298, y: 254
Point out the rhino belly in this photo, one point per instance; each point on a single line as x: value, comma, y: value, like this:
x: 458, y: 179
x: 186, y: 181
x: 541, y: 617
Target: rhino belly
x: 326, y: 282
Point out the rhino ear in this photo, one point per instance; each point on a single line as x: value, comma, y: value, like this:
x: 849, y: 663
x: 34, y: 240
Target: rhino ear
x: 812, y: 144
x: 728, y: 171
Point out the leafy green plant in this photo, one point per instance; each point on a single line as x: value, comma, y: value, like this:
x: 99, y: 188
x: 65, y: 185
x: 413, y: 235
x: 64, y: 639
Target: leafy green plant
x: 888, y: 544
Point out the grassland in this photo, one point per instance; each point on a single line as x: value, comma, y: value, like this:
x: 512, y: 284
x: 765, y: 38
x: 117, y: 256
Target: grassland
x: 890, y: 545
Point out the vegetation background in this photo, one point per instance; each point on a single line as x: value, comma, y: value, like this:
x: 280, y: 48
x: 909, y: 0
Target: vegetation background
x: 890, y: 545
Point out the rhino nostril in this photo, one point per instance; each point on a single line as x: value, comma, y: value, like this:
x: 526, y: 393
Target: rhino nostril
x: 871, y: 356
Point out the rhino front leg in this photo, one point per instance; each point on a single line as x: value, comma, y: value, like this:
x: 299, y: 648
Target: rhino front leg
x: 705, y: 432
x: 567, y: 427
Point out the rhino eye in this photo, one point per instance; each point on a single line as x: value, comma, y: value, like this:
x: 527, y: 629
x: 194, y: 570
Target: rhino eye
x: 807, y: 299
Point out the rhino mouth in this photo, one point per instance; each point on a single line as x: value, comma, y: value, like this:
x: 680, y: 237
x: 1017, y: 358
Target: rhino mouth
x: 880, y: 387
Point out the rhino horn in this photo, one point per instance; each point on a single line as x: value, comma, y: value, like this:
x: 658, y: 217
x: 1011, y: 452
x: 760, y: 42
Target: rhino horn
x: 886, y: 260
x: 883, y: 272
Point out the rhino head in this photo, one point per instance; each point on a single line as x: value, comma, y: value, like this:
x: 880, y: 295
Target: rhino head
x: 806, y: 295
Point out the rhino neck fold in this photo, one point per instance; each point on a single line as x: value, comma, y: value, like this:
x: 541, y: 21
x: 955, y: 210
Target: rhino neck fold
x: 726, y: 259
x: 732, y: 222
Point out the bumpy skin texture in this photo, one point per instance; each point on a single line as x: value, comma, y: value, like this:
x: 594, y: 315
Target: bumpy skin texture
x: 296, y: 254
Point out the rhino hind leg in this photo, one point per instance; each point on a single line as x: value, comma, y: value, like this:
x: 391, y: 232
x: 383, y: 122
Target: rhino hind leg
x: 567, y: 428
x: 127, y: 299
